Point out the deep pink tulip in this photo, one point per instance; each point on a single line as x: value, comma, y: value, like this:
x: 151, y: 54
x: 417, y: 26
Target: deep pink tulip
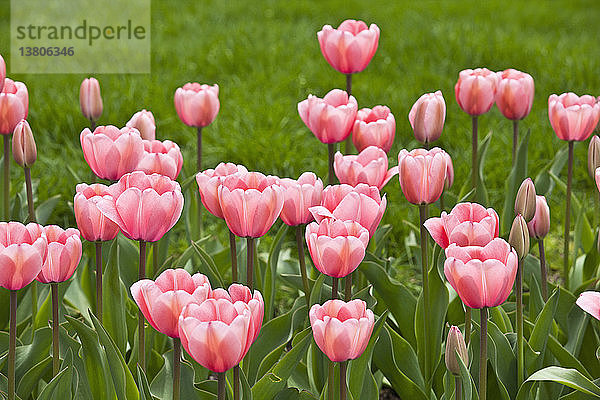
x: 514, y: 97
x: 197, y: 105
x: 2, y: 72
x: 92, y: 224
x: 374, y: 127
x: 23, y: 250
x: 251, y: 203
x: 162, y: 301
x: 362, y: 203
x: 144, y: 206
x: 476, y: 90
x: 573, y: 117
x: 427, y: 117
x: 370, y: 166
x: 468, y: 224
x: 299, y: 195
x: 216, y: 333
x: 342, y: 330
x: 162, y: 158
x: 449, y: 172
x: 422, y: 174
x: 539, y: 226
x: 331, y: 118
x: 90, y: 99
x: 64, y: 254
x: 208, y: 184
x: 590, y: 303
x: 112, y: 152
x: 350, y: 47
x: 482, y: 276
x: 336, y: 247
x: 23, y: 146
x: 237, y: 292
x: 143, y: 121
x: 14, y: 105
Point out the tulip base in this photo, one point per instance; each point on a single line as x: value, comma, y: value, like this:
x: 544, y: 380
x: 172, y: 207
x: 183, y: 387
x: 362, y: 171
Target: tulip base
x: 176, y: 367
x: 141, y: 333
x: 483, y: 354
x: 568, y: 216
x: 233, y: 256
x: 6, y: 180
x: 543, y: 270
x: 99, y: 280
x: 302, y: 260
x: 12, y: 344
x: 55, y: 333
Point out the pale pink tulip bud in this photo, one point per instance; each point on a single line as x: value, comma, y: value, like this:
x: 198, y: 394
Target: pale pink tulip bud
x: 90, y: 99
x: 162, y: 301
x: 254, y: 300
x: 350, y: 47
x: 23, y: 145
x: 597, y: 177
x: 525, y: 200
x: 593, y: 155
x: 449, y: 172
x: 422, y: 174
x: 476, y: 90
x: 64, y: 254
x: 573, y: 117
x: 519, y: 236
x: 539, y: 226
x: 2, y: 72
x: 331, y: 118
x: 92, y: 224
x: 455, y: 344
x: 197, y: 105
x: 143, y: 121
x: 370, y: 166
x: 427, y: 117
x: 374, y: 127
x: 162, y: 158
x: 208, y: 184
x: 23, y: 252
x: 14, y: 105
x: 514, y: 97
x: 590, y: 303
x: 300, y: 195
x: 342, y: 330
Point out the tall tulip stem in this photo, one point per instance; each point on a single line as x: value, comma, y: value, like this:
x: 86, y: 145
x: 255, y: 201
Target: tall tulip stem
x: 343, y: 384
x: 543, y: 269
x: 221, y: 385
x: 176, y: 367
x: 520, y: 354
x: 6, y: 179
x: 568, y: 216
x: 199, y: 150
x: 483, y: 354
x: 348, y: 287
x: 141, y: 333
x: 442, y: 202
x: 474, y: 163
x: 236, y: 382
x: 334, y: 288
x: 233, y: 256
x: 55, y: 325
x: 250, y: 262
x: 467, y: 324
x: 98, y: 245
x: 302, y: 260
x: 331, y: 381
x: 515, y: 141
x: 155, y: 260
x: 12, y: 344
x: 457, y: 388
x: 348, y: 144
x: 30, y: 206
x: 425, y: 277
x: 331, y: 155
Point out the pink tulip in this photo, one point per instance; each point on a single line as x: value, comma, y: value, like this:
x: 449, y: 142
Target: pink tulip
x: 597, y: 178
x: 143, y: 121
x: 254, y: 301
x: 331, y: 118
x: 590, y: 303
x: 336, y: 247
x: 539, y: 226
x: 23, y: 145
x: 422, y: 174
x: 14, y: 105
x: 197, y: 105
x: 162, y: 301
x: 90, y: 99
x: 144, y: 206
x: 342, y: 330
x: 112, y: 152
x: 92, y: 224
x: 2, y: 73
x: 23, y: 250
x: 468, y: 224
x: 573, y: 117
x: 514, y: 97
x: 251, y: 203
x: 216, y: 333
x: 482, y: 276
x: 64, y: 254
x: 427, y: 117
x: 449, y: 172
x: 370, y: 166
x: 299, y: 195
x: 208, y: 184
x: 374, y: 127
x: 350, y: 47
x: 162, y: 158
x: 476, y: 90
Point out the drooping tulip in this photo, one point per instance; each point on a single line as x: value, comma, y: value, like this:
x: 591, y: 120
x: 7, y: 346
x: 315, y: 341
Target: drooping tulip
x: 64, y: 254
x: 573, y: 118
x: 23, y: 251
x: 300, y: 195
x: 254, y: 300
x: 23, y: 145
x: 427, y: 117
x: 144, y: 122
x: 422, y: 174
x: 539, y: 226
x: 476, y: 90
x: 374, y: 127
x: 14, y: 105
x: 162, y: 158
x: 370, y: 166
x: 589, y: 302
x: 514, y: 96
x: 197, y: 105
x: 90, y: 99
x: 92, y: 224
x: 331, y: 118
x: 209, y: 182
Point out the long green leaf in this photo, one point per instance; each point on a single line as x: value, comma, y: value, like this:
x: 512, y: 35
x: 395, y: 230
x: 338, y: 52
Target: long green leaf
x: 213, y: 270
x: 517, y: 174
x: 271, y: 273
x: 565, y: 376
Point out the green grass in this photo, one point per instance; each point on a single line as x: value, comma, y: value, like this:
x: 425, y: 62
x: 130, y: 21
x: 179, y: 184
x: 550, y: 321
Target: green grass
x: 265, y: 57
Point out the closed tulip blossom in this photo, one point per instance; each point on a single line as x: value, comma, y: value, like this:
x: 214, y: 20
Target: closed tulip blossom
x: 370, y: 166
x: 92, y: 224
x: 427, y: 117
x: 593, y: 155
x: 590, y: 303
x: 254, y: 300
x: 23, y: 146
x: 209, y: 182
x: 90, y: 99
x: 299, y: 195
x: 374, y: 127
x: 197, y: 105
x: 482, y: 276
x: 342, y: 330
x: 336, y: 247
x: 449, y: 172
x: 331, y: 118
x: 112, y: 152
x: 144, y: 122
x: 573, y: 118
x: 539, y: 226
x: 162, y: 301
x: 162, y: 158
x: 14, y: 105
x: 64, y: 254
x: 476, y: 90
x: 514, y: 96
x: 23, y: 251
x: 422, y: 174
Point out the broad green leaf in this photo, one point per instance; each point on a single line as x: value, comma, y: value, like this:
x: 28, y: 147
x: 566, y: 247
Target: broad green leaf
x: 468, y: 386
x: 543, y: 183
x: 564, y: 357
x: 565, y: 376
x: 517, y: 175
x: 541, y: 331
x: 31, y: 354
x: 271, y: 272
x: 31, y: 379
x: 162, y: 384
x: 143, y: 385
x: 294, y: 394
x: 44, y: 210
x: 59, y: 387
x: 207, y: 260
x: 113, y: 300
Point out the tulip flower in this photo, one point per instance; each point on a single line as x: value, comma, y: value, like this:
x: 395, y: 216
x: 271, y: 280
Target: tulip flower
x: 112, y: 152
x: 525, y: 200
x: 422, y: 174
x: 455, y: 344
x: 374, y: 127
x: 25, y: 154
x: 427, y: 117
x: 593, y: 155
x: 370, y: 166
x: 2, y: 72
x: 589, y: 302
x: 90, y: 100
x: 254, y: 300
x: 162, y: 158
x: 143, y: 121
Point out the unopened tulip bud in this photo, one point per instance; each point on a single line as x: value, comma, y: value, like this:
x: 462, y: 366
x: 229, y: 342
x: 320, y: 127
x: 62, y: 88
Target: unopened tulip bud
x: 539, y: 226
x: 90, y: 99
x: 23, y: 145
x: 593, y: 155
x: 519, y: 236
x: 455, y: 344
x: 525, y: 201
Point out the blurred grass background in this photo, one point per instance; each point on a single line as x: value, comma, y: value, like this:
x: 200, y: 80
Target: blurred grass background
x: 265, y: 57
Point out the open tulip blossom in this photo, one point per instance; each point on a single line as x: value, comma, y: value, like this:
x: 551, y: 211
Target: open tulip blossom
x: 162, y: 158
x: 370, y: 166
x: 374, y: 127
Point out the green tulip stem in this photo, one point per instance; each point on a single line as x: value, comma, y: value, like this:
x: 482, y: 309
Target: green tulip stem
x: 474, y: 163
x: 515, y: 141
x: 425, y: 278
x: 334, y: 288
x: 221, y: 385
x: 483, y: 354
x: 543, y: 269
x: 55, y: 325
x: 331, y: 381
x: 199, y: 151
x: 467, y: 324
x: 98, y: 245
x: 348, y: 287
x: 520, y: 354
x: 30, y: 206
x: 176, y: 367
x: 12, y: 344
x: 233, y: 256
x: 348, y: 143
x: 6, y: 179
x: 141, y: 333
x: 457, y: 388
x: 442, y: 202
x: 331, y: 155
x: 343, y: 384
x: 568, y: 216
x: 302, y: 260
x: 236, y: 382
x: 250, y: 262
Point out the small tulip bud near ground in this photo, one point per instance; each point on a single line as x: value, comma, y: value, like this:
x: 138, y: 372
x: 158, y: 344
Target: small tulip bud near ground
x: 525, y: 200
x: 519, y: 236
x: 455, y: 344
